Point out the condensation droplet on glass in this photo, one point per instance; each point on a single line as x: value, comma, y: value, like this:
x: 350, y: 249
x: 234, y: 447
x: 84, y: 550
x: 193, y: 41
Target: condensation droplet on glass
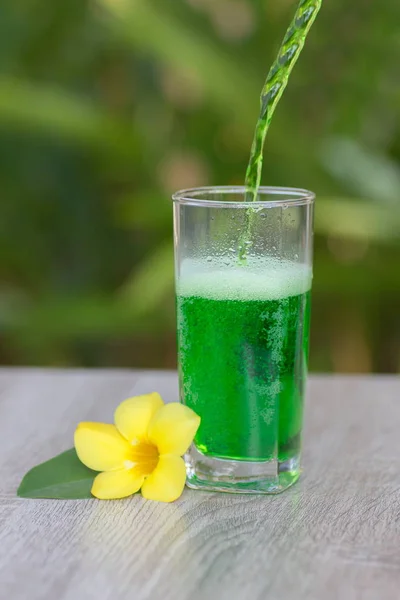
x: 212, y: 218
x: 296, y: 256
x: 284, y: 206
x: 209, y: 258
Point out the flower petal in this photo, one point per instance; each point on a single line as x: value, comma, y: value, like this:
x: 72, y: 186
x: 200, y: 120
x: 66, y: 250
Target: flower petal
x: 133, y: 415
x: 167, y: 481
x: 172, y: 428
x: 100, y: 446
x: 117, y: 484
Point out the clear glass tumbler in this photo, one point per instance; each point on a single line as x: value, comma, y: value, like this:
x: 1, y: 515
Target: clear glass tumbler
x: 243, y: 281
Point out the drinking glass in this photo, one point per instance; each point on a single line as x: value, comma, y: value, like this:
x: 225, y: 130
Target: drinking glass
x: 243, y: 282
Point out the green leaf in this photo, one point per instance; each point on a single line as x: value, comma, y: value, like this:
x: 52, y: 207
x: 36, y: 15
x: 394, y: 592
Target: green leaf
x: 370, y: 174
x: 155, y: 32
x: 69, y: 117
x: 357, y: 219
x: 63, y: 476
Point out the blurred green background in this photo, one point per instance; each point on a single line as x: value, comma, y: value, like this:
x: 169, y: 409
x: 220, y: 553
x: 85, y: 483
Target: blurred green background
x: 107, y: 107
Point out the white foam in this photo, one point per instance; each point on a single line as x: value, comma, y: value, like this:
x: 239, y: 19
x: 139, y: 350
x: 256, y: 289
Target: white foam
x: 266, y: 279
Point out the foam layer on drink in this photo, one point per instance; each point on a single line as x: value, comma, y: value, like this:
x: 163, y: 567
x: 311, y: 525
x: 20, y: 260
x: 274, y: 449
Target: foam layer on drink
x: 259, y: 279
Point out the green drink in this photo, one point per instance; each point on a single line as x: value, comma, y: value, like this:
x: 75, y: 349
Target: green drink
x: 243, y: 263
x: 243, y: 342
x: 243, y: 278
x: 243, y: 330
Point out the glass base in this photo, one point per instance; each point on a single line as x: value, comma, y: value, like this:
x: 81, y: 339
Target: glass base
x: 238, y: 476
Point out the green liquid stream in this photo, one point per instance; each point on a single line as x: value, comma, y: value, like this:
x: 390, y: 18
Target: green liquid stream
x: 272, y: 91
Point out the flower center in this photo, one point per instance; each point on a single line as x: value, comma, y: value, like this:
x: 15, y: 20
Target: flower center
x: 144, y: 457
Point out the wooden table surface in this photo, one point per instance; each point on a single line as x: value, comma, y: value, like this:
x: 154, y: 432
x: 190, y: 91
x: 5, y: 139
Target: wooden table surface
x: 336, y: 534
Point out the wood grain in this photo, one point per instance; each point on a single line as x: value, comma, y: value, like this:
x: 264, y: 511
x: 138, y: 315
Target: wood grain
x: 336, y: 534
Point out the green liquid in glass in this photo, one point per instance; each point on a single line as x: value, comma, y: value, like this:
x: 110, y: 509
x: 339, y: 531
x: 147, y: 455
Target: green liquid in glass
x: 243, y: 364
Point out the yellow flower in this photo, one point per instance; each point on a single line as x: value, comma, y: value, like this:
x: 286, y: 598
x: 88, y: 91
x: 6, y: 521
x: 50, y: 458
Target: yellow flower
x: 141, y: 451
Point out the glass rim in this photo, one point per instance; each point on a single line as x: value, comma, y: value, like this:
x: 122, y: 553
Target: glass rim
x: 192, y: 197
